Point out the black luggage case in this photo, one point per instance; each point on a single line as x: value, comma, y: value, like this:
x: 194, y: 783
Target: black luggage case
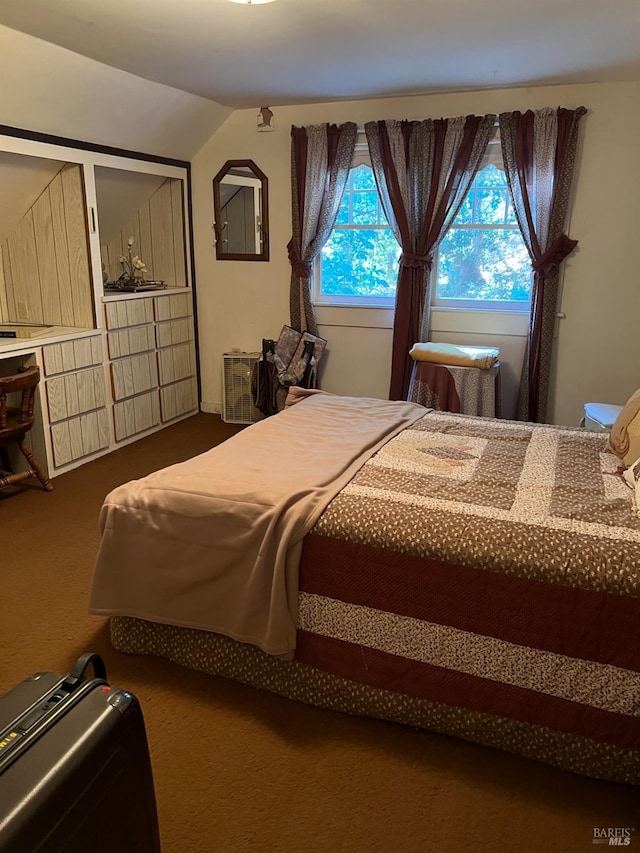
x: 75, y: 774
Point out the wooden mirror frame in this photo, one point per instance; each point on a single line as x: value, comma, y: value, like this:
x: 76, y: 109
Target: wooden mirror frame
x: 218, y: 227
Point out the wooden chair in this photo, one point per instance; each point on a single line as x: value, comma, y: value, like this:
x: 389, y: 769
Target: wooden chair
x: 16, y: 423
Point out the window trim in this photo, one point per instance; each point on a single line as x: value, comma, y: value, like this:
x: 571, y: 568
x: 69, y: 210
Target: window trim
x: 481, y: 305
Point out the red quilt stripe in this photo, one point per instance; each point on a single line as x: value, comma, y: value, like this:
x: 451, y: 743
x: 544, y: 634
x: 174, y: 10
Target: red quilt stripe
x: 585, y: 624
x: 436, y: 684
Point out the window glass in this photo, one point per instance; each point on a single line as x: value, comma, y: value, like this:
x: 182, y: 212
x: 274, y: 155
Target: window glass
x: 482, y: 260
x: 359, y: 263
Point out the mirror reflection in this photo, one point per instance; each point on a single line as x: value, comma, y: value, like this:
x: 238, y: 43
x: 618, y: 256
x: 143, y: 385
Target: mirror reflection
x: 241, y: 212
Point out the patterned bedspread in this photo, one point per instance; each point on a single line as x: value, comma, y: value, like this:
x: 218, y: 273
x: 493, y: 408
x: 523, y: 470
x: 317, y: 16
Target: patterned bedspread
x: 490, y: 570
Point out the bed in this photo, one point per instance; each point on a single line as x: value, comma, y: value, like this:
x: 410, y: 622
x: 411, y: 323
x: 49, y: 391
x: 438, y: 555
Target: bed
x: 476, y: 577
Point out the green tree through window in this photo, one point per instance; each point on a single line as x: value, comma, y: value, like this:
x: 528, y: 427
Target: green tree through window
x: 482, y: 261
x: 359, y: 262
x: 482, y: 258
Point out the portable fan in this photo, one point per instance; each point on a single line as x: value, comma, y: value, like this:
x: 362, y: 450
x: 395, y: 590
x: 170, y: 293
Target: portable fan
x: 237, y: 400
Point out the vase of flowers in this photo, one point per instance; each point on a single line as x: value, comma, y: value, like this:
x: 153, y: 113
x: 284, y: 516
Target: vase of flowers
x: 133, y: 268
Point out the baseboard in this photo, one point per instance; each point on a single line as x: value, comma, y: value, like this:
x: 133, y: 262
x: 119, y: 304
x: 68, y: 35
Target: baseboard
x: 211, y: 408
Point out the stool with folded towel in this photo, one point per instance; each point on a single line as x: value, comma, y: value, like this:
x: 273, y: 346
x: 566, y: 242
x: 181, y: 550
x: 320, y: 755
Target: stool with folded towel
x: 453, y: 378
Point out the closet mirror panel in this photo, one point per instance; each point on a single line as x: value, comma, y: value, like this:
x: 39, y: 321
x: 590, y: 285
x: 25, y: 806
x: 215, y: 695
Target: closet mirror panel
x: 141, y: 224
x: 45, y: 271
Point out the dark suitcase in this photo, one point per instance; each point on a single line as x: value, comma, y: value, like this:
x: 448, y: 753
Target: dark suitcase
x: 75, y: 774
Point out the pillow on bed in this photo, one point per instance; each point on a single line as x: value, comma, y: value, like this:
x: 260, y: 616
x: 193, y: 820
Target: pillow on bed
x: 624, y: 440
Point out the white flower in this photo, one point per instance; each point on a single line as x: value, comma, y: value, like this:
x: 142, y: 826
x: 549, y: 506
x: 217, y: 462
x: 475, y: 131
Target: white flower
x: 131, y: 264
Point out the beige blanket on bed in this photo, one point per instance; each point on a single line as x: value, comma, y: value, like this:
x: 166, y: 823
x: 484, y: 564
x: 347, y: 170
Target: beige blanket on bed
x: 214, y: 543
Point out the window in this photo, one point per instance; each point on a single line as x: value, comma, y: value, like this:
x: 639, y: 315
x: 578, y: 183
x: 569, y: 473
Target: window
x: 482, y: 261
x: 359, y: 263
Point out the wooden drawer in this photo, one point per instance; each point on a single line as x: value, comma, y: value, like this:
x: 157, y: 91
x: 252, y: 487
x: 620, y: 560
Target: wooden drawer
x: 128, y: 312
x: 75, y: 393
x: 173, y: 306
x: 136, y: 415
x: 175, y: 363
x: 174, y: 332
x: 178, y: 399
x: 134, y: 375
x: 79, y: 436
x: 72, y: 355
x: 130, y: 341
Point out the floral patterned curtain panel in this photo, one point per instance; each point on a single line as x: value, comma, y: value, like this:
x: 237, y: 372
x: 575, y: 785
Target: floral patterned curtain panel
x: 321, y: 157
x: 423, y: 171
x: 539, y: 151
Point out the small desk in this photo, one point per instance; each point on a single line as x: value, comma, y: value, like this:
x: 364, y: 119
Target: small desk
x: 464, y: 390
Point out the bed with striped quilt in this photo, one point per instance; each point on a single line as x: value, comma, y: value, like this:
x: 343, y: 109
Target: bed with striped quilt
x: 477, y: 577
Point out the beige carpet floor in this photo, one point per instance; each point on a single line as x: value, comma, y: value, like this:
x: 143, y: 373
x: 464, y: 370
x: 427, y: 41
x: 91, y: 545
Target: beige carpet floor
x: 239, y: 770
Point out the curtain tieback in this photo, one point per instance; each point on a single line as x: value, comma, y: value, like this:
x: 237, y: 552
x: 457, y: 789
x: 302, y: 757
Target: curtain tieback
x: 555, y: 254
x: 302, y: 269
x: 424, y: 262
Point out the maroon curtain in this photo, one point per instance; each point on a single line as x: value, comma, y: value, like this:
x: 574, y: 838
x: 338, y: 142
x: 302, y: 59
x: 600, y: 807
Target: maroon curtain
x: 423, y: 170
x: 321, y: 157
x: 539, y: 152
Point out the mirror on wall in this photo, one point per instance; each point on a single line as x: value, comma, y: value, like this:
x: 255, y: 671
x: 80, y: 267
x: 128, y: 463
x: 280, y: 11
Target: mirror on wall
x: 241, y: 217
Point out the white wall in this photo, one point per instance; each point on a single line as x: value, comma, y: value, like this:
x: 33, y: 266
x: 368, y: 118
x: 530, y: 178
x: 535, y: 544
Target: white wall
x: 598, y: 354
x: 49, y: 89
